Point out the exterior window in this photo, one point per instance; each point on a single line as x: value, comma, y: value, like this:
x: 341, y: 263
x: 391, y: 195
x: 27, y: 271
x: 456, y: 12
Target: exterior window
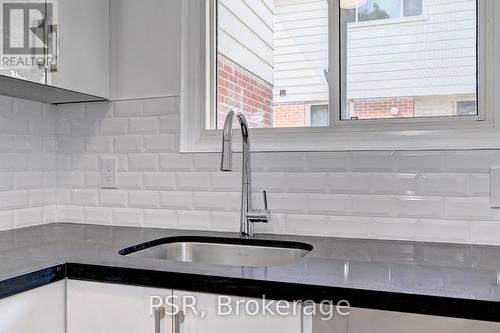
x: 317, y: 115
x: 466, y: 108
x: 374, y: 10
x: 271, y: 59
x: 410, y: 69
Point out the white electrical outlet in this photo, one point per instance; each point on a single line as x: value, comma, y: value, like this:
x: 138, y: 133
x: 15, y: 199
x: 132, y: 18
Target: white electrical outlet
x: 109, y: 172
x: 495, y: 187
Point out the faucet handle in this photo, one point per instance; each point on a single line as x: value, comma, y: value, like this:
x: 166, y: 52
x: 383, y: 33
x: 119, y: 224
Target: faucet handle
x: 264, y: 196
x: 260, y: 215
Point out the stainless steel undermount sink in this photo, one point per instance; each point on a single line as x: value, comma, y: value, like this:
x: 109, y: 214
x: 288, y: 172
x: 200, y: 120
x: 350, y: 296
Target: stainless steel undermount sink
x: 221, y: 251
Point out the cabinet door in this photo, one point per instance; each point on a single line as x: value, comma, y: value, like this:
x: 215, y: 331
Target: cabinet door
x: 40, y: 310
x: 112, y: 308
x: 209, y: 320
x: 374, y: 321
x: 80, y: 39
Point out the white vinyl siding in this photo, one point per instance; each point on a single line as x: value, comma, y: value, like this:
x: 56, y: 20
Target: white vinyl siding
x: 245, y: 35
x: 301, y: 50
x: 433, y: 54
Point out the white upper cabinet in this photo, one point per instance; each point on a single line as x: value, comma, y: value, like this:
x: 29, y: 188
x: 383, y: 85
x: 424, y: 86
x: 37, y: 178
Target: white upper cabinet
x: 55, y: 51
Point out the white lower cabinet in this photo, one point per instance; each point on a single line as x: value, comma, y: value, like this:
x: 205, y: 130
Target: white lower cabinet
x: 223, y: 314
x: 39, y: 310
x: 108, y: 308
x: 113, y: 308
x: 375, y: 321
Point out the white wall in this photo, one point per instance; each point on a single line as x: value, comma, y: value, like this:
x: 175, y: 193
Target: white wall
x: 246, y: 34
x: 28, y: 146
x: 145, y: 58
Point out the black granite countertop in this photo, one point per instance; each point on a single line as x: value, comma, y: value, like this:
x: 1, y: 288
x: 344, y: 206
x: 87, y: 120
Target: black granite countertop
x: 439, y: 279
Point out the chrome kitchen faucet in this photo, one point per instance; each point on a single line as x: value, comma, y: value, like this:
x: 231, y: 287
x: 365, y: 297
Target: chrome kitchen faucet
x: 248, y: 215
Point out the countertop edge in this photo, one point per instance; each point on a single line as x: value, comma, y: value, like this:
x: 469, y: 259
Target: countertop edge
x: 358, y: 298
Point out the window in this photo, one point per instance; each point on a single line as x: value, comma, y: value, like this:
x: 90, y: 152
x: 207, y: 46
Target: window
x: 271, y: 59
x: 374, y: 10
x: 410, y: 69
x: 317, y: 115
x: 466, y: 108
x: 342, y: 74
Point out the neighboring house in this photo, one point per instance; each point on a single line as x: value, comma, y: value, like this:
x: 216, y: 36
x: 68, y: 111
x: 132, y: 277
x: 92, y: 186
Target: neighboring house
x: 405, y: 58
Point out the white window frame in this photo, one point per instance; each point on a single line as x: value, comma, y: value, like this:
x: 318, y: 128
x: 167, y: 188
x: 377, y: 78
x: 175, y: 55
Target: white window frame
x: 436, y: 133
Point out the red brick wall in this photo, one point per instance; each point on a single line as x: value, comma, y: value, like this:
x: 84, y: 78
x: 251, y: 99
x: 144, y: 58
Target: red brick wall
x: 289, y: 115
x: 381, y: 107
x: 239, y: 88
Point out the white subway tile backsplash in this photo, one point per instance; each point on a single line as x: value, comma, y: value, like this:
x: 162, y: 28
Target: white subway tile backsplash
x: 469, y: 209
x: 131, y: 108
x: 444, y: 184
x: 6, y: 220
x: 329, y: 161
x: 28, y: 180
x: 50, y: 154
x: 228, y: 182
x: 84, y: 197
x: 480, y: 185
x: 394, y: 183
x: 113, y: 198
x: 131, y: 180
x: 159, y: 181
x: 420, y: 207
x: 327, y: 204
x: 143, y: 162
x: 99, y: 144
x: 305, y: 182
x: 169, y: 124
x: 176, y: 162
x: 98, y: 215
x: 85, y: 162
x: 143, y: 199
x: 373, y: 161
x: 127, y: 217
x: 443, y: 231
x: 348, y: 183
x: 160, y: 143
x: 156, y: 218
x: 143, y: 125
x: 198, y: 220
x: 70, y: 214
x: 176, y: 200
x: 414, y: 161
x: 193, y: 181
x: 6, y: 181
x: 471, y: 161
x: 372, y: 205
x: 113, y: 126
x: 267, y: 181
x: 210, y: 201
x: 28, y: 217
x: 129, y: 144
